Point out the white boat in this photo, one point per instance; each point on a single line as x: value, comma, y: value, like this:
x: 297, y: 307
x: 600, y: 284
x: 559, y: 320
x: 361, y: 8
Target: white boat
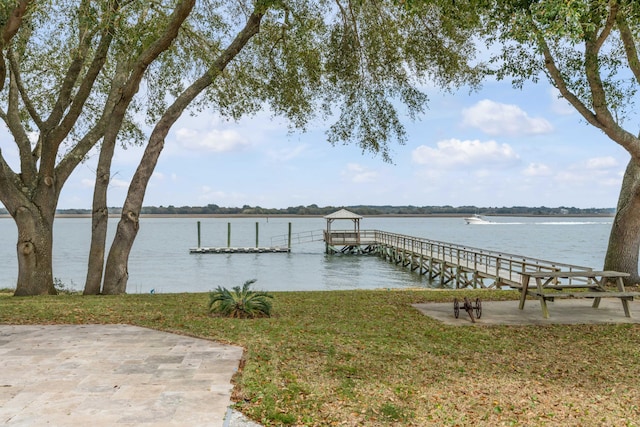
x: 477, y: 219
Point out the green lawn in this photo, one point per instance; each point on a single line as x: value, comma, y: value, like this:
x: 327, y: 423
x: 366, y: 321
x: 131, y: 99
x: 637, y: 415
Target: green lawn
x: 369, y: 358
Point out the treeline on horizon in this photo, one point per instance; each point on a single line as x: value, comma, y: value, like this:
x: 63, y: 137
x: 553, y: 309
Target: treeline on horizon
x: 365, y: 210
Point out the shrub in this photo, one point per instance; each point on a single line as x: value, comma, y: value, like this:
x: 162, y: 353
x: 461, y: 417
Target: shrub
x: 240, y: 303
x: 62, y: 288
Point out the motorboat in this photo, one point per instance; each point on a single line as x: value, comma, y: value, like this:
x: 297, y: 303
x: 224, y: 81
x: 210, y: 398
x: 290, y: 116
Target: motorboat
x: 477, y: 219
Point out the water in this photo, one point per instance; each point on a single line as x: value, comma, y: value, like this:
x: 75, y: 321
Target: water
x: 160, y: 258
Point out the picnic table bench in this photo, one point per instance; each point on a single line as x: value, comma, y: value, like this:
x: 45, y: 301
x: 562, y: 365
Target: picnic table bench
x: 587, y: 284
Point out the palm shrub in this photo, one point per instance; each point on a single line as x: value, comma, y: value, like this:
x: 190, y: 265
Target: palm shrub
x: 241, y: 303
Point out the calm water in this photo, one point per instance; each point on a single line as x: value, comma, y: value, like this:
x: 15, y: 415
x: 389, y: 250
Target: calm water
x: 160, y: 258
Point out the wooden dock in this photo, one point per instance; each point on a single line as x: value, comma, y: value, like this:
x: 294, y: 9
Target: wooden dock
x: 449, y: 264
x: 462, y: 266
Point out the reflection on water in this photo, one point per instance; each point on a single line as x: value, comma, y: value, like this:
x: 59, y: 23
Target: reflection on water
x: 160, y: 258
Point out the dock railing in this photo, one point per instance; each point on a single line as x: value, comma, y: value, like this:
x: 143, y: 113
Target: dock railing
x: 350, y: 237
x: 502, y: 266
x: 298, y: 238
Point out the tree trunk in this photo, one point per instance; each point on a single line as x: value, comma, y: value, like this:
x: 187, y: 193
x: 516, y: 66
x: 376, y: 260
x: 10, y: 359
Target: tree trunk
x: 100, y: 212
x: 624, y: 240
x: 99, y: 220
x: 116, y: 274
x: 35, y: 250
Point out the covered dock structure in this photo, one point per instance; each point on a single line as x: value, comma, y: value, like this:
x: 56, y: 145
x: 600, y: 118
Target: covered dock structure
x: 458, y: 266
x: 347, y: 241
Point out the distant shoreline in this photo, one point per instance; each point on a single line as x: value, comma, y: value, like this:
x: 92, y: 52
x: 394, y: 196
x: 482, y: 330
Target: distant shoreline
x: 321, y: 216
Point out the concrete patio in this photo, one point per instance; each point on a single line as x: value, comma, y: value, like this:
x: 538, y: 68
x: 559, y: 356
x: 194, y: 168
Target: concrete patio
x: 112, y: 375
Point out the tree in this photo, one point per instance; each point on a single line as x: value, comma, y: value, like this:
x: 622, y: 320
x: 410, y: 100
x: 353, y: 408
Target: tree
x: 64, y: 94
x: 588, y: 50
x: 303, y: 59
x: 128, y: 82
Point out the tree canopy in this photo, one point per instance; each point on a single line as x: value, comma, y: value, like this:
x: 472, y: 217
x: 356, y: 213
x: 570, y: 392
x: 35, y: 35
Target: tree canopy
x: 73, y: 70
x: 588, y: 50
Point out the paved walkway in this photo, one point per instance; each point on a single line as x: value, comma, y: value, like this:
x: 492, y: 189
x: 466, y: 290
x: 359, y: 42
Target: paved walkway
x: 112, y: 375
x: 565, y: 312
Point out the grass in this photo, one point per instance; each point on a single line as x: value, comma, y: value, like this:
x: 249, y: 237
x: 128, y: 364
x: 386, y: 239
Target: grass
x: 368, y: 358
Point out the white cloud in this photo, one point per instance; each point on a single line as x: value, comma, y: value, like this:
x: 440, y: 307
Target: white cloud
x: 222, y: 198
x: 287, y: 154
x: 114, y: 183
x: 598, y: 163
x: 217, y: 141
x: 359, y: 174
x: 118, y: 183
x: 572, y: 177
x: 495, y: 118
x: 87, y: 183
x: 597, y: 172
x: 537, y: 169
x: 209, y: 193
x: 601, y: 170
x: 473, y: 153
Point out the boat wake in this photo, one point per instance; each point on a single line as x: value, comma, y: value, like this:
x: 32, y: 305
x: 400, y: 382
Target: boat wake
x: 572, y: 223
x: 544, y: 223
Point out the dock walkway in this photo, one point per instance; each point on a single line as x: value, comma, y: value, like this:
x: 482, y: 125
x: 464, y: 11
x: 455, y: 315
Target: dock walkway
x: 450, y: 263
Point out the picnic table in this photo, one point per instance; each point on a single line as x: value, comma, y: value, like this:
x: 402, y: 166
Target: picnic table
x: 577, y: 284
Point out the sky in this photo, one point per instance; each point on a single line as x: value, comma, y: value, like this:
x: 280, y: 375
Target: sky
x: 497, y: 147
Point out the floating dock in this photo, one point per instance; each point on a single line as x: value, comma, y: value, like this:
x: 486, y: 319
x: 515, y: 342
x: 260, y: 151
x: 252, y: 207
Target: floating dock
x: 227, y: 250
x: 242, y: 249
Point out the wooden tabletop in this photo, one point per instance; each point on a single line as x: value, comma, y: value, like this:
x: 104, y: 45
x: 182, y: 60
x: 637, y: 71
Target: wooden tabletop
x: 569, y: 274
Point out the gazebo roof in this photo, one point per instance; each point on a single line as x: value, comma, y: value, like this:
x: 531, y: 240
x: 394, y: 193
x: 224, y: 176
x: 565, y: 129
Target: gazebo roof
x: 343, y: 214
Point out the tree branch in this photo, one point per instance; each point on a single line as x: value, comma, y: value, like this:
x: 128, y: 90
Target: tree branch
x: 608, y: 25
x: 27, y: 163
x: 137, y: 187
x: 10, y: 187
x: 592, y: 72
x: 629, y: 46
x: 109, y: 117
x: 607, y: 123
x: 10, y: 29
x: 600, y: 117
x: 15, y: 72
x: 84, y: 90
x: 180, y: 13
x: 558, y: 79
x: 121, y: 95
x: 50, y: 151
x: 13, y: 23
x: 82, y: 148
x: 7, y: 176
x: 66, y: 88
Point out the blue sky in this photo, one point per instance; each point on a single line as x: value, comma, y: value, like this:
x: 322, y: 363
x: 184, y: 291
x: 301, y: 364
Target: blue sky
x: 495, y: 147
